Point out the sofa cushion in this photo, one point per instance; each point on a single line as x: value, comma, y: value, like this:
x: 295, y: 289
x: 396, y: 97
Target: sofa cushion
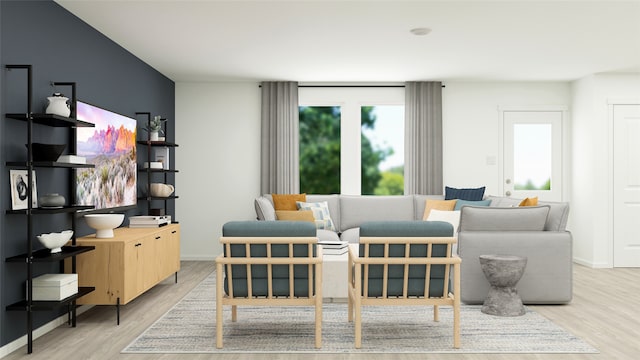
x: 287, y: 201
x: 474, y: 194
x: 298, y: 215
x: 325, y: 236
x: 446, y: 205
x: 558, y: 213
x: 264, y: 209
x: 481, y: 218
x: 356, y: 209
x: 320, y: 213
x: 460, y: 203
x: 351, y: 236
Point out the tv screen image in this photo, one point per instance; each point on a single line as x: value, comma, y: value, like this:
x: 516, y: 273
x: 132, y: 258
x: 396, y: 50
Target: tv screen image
x: 111, y: 147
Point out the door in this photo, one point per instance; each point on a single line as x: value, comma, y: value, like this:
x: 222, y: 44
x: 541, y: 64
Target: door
x: 626, y: 185
x: 532, y: 154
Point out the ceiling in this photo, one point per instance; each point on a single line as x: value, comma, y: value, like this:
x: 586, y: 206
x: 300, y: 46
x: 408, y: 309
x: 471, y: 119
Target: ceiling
x: 369, y: 41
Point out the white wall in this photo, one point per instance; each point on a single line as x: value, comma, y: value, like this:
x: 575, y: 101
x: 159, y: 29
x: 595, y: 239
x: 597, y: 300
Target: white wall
x: 218, y: 130
x: 592, y: 190
x: 472, y: 128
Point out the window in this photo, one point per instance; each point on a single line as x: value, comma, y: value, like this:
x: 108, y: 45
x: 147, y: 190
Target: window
x: 320, y: 149
x: 532, y: 152
x: 382, y: 150
x: 532, y: 156
x: 351, y: 140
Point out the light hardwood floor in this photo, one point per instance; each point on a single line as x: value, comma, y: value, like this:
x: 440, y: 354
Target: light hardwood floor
x: 605, y: 312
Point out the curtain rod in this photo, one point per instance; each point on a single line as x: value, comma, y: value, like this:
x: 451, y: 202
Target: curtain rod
x: 351, y: 86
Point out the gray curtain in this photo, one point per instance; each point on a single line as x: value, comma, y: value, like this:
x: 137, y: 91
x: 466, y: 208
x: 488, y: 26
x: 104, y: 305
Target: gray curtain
x: 279, y: 168
x: 423, y: 138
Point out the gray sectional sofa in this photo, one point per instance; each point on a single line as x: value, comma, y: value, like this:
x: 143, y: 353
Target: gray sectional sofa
x: 539, y: 233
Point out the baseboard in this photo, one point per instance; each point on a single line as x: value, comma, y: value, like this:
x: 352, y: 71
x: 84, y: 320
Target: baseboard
x: 22, y: 341
x: 591, y: 264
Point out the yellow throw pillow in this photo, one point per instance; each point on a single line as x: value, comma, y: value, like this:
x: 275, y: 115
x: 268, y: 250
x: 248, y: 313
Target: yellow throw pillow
x: 445, y: 205
x: 301, y: 215
x: 533, y: 201
x: 287, y: 201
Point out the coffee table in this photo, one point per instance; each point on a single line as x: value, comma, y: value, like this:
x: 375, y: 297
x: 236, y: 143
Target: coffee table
x: 503, y: 273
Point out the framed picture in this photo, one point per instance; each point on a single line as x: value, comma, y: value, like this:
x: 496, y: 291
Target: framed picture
x: 19, y: 188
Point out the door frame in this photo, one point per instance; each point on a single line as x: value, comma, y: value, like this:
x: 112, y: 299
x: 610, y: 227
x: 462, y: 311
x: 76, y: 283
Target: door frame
x: 611, y: 103
x: 564, y: 146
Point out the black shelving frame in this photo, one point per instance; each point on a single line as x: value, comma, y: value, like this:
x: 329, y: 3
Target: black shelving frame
x: 29, y: 305
x: 150, y: 172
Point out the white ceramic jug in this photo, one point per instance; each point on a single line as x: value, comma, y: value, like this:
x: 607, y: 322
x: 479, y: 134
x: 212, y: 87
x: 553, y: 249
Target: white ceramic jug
x: 58, y: 105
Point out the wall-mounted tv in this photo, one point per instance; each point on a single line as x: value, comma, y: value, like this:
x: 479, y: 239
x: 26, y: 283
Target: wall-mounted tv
x: 111, y: 147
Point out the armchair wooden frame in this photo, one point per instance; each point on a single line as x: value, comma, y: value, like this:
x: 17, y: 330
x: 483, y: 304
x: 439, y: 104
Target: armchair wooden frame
x: 314, y: 298
x: 358, y: 292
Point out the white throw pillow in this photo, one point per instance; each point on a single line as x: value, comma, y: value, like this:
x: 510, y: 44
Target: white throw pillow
x: 452, y: 217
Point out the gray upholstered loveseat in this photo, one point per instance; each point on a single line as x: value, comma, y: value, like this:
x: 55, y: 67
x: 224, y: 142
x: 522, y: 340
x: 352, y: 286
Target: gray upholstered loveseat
x: 547, y: 278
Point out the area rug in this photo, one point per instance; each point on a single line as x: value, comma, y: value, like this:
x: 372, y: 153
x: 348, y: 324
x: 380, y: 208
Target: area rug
x: 189, y: 327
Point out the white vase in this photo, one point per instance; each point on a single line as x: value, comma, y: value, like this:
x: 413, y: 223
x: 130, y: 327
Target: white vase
x: 153, y: 136
x: 58, y: 105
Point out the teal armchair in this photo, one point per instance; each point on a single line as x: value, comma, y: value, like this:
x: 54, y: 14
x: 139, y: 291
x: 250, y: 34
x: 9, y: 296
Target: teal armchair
x: 269, y: 263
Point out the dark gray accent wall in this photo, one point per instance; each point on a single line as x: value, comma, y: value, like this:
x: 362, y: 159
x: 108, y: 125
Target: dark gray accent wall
x: 61, y: 48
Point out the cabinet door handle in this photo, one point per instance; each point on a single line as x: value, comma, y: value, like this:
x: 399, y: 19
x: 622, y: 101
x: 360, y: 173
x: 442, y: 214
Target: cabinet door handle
x: 138, y: 244
x: 158, y: 237
x: 173, y: 232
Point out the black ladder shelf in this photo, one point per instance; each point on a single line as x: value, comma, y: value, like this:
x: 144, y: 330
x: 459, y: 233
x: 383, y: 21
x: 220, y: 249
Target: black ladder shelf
x: 31, y: 257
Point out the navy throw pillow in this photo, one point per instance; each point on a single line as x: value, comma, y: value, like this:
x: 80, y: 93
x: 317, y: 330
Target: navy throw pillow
x: 464, y: 194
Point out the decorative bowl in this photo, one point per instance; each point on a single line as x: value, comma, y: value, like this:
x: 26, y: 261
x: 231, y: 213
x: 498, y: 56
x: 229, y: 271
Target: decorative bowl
x: 160, y: 190
x: 104, y: 223
x: 52, y: 201
x: 46, y: 152
x: 55, y: 241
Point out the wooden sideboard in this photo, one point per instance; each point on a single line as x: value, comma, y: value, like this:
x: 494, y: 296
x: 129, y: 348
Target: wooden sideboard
x: 125, y: 266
